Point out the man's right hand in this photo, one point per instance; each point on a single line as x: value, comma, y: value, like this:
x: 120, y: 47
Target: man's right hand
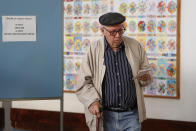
x: 94, y: 109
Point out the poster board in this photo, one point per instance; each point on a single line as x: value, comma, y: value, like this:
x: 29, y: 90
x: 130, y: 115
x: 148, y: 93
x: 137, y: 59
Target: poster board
x: 154, y: 23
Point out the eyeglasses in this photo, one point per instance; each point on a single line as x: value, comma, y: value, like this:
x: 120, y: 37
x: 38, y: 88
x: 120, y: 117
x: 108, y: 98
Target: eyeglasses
x: 113, y: 33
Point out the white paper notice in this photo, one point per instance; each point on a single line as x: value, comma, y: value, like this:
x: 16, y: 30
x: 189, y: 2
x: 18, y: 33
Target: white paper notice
x: 18, y: 28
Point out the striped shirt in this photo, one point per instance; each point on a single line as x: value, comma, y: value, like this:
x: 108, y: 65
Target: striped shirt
x: 118, y: 88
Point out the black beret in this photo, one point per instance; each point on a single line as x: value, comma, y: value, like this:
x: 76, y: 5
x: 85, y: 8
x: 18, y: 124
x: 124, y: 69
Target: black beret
x: 111, y: 18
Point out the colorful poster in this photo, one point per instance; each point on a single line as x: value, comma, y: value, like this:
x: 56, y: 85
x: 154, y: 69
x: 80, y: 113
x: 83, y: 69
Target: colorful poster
x: 86, y: 26
x: 142, y: 40
x: 151, y: 45
x: 151, y: 26
x: 171, y: 7
x: 70, y: 82
x: 95, y: 8
x: 77, y: 43
x: 77, y: 63
x: 85, y: 43
x: 161, y: 87
x: 141, y: 25
x: 131, y: 25
x: 171, y: 87
x: 171, y: 68
x: 95, y: 27
x: 69, y: 65
x: 123, y: 8
x: 171, y: 26
x: 68, y: 43
x: 161, y: 68
x: 77, y: 8
x: 77, y: 26
x: 68, y: 26
x: 161, y: 26
x: 153, y: 63
x: 171, y: 45
x: 132, y: 9
x: 151, y: 8
x: 142, y: 8
x: 86, y: 8
x: 104, y: 6
x: 161, y: 7
x: 151, y: 89
x: 68, y: 9
x: 161, y: 45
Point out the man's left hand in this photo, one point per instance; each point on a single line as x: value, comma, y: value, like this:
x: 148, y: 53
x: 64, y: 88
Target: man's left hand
x: 144, y: 77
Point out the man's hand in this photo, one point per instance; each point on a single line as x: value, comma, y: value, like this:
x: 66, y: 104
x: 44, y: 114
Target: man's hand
x: 94, y: 109
x: 144, y: 77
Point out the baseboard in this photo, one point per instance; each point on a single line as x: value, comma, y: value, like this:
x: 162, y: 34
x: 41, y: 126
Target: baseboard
x: 1, y: 118
x: 38, y: 120
x: 168, y: 125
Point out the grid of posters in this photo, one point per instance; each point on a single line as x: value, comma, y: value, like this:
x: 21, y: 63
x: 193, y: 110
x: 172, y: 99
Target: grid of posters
x: 81, y: 27
x: 152, y: 22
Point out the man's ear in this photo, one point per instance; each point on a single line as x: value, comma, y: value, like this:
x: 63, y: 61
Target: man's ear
x: 102, y: 30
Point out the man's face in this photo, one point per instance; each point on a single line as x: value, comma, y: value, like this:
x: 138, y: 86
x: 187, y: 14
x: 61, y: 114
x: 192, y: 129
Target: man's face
x: 113, y: 34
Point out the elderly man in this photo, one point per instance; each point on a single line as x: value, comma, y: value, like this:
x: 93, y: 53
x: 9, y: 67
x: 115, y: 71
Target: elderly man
x: 109, y: 79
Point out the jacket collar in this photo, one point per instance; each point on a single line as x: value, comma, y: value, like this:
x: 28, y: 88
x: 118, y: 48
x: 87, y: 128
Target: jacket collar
x: 106, y: 45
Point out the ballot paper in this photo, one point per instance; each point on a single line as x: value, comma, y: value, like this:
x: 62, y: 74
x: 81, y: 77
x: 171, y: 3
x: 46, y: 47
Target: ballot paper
x: 142, y: 72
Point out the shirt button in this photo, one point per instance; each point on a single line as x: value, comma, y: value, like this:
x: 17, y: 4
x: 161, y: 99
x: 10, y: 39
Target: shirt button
x: 118, y: 74
x: 116, y: 63
x: 119, y: 83
x: 119, y: 94
x: 119, y: 104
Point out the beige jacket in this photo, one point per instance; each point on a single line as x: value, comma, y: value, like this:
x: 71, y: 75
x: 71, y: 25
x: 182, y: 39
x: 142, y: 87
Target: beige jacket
x: 91, y: 74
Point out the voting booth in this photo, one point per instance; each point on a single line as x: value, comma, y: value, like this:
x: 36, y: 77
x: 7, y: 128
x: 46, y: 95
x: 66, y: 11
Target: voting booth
x: 31, y: 49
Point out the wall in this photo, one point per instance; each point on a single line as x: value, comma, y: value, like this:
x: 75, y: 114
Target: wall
x: 182, y: 109
x: 71, y: 104
x: 0, y: 104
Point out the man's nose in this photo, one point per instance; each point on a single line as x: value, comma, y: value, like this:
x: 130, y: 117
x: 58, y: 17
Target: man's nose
x: 117, y: 34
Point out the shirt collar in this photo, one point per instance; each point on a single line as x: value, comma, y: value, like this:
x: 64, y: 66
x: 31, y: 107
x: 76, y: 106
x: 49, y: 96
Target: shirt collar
x: 106, y: 45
